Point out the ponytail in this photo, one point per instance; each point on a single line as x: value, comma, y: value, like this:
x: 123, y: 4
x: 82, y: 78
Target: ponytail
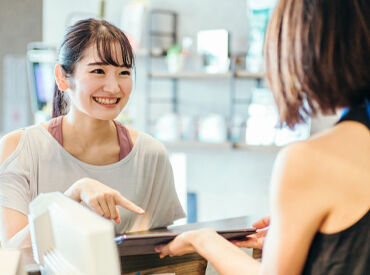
x: 60, y: 103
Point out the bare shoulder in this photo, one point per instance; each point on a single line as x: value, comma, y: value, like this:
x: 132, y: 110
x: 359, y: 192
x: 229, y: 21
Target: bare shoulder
x: 294, y: 162
x: 336, y: 155
x: 8, y: 144
x: 337, y: 159
x: 344, y: 151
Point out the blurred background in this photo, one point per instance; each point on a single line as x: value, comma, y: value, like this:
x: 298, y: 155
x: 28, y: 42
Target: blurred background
x: 199, y: 87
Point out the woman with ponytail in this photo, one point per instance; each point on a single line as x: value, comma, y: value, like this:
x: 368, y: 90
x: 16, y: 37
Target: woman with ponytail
x: 83, y: 151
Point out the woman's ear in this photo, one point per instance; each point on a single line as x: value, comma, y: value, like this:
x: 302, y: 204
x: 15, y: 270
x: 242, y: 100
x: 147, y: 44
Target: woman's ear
x: 60, y: 78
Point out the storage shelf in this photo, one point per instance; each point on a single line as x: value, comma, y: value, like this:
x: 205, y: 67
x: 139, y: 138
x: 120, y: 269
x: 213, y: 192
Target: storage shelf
x: 249, y: 75
x: 188, y: 75
x: 204, y: 75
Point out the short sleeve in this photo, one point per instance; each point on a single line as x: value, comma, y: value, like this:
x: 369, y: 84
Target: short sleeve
x: 149, y: 183
x: 14, y: 180
x: 165, y: 205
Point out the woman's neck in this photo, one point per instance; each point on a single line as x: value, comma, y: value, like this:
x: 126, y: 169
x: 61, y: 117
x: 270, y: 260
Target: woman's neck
x: 87, y: 131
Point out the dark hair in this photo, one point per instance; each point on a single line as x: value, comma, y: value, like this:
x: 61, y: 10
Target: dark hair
x: 79, y: 37
x: 317, y: 56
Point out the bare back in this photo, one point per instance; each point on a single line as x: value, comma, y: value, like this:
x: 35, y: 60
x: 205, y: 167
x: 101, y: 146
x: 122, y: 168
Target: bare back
x: 343, y: 154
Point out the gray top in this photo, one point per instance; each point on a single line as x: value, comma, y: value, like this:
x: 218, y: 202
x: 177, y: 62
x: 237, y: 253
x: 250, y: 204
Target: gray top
x: 40, y: 164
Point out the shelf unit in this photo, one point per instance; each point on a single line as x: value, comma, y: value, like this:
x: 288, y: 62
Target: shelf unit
x: 151, y: 34
x: 188, y: 75
x: 231, y: 76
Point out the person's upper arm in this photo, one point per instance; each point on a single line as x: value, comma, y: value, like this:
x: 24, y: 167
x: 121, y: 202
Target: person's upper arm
x: 8, y: 144
x: 298, y: 207
x: 11, y: 220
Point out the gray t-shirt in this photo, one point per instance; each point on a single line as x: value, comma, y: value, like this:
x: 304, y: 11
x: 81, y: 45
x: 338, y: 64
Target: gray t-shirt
x: 40, y: 164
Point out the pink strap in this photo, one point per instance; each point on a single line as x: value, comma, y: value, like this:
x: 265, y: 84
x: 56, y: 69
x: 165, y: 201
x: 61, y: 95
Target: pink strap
x: 124, y: 140
x: 55, y: 129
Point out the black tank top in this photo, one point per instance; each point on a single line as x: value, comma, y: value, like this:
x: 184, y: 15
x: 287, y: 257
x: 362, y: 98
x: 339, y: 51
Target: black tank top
x: 346, y: 252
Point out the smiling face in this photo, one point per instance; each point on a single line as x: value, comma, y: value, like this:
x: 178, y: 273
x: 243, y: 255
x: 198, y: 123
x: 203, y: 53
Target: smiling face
x: 98, y: 89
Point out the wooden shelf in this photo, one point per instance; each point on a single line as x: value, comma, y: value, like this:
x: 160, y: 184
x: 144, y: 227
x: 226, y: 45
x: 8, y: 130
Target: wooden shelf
x: 188, y: 75
x: 204, y: 75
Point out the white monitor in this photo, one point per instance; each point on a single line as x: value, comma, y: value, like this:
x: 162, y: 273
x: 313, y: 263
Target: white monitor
x: 68, y: 238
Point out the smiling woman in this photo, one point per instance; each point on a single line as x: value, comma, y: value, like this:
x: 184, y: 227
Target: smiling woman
x: 83, y: 151
x: 99, y: 88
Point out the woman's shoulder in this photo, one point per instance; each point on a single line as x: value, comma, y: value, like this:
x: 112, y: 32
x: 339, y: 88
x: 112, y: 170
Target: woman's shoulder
x: 325, y: 162
x: 345, y: 141
x: 9, y: 143
x: 13, y: 141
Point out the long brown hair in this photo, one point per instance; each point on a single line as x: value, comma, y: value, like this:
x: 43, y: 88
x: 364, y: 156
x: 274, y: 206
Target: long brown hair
x: 317, y: 56
x: 80, y: 36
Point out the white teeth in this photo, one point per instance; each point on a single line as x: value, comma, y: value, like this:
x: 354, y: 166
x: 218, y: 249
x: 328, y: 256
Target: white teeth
x: 105, y: 100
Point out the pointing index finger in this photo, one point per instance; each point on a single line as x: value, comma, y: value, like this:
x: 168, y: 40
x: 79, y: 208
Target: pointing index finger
x: 122, y: 201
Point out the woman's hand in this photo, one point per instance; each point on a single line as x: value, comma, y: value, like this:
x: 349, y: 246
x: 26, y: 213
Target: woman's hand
x: 101, y: 198
x: 257, y: 239
x: 183, y: 243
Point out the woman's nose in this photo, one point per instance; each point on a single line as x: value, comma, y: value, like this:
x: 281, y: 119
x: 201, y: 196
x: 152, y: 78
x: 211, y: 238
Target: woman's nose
x: 111, y: 84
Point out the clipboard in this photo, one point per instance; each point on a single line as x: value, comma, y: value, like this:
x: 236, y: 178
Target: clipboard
x: 144, y: 242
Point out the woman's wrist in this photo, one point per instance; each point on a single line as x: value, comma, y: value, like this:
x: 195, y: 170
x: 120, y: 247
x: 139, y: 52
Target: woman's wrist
x: 74, y: 191
x: 200, y: 237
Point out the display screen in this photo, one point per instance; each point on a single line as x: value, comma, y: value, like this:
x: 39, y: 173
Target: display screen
x: 44, y: 83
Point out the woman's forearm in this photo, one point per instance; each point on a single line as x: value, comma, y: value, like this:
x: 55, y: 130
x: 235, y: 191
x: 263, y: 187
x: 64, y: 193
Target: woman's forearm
x: 232, y: 261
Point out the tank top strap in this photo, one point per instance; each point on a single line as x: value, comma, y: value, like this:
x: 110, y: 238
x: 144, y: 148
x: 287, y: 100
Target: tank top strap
x: 55, y: 129
x: 359, y: 113
x: 125, y: 142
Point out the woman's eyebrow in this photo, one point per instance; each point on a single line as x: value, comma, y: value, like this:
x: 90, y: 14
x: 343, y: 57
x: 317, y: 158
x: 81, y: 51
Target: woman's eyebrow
x: 105, y: 64
x: 97, y: 64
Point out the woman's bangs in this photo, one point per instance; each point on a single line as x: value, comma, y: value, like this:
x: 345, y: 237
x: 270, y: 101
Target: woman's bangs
x: 114, y: 51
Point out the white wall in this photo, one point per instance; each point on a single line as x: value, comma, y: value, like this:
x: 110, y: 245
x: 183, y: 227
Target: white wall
x: 20, y: 23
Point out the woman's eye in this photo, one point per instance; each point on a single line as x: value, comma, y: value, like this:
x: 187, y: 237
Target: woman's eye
x: 125, y: 73
x: 98, y: 71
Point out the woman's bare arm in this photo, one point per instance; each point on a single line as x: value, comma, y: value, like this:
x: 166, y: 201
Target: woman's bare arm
x: 298, y: 208
x: 299, y: 204
x: 12, y: 221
